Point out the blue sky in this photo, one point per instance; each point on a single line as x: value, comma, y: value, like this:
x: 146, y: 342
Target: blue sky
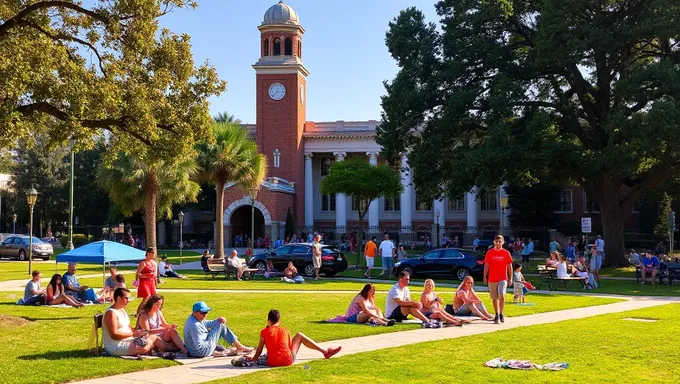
x: 343, y: 48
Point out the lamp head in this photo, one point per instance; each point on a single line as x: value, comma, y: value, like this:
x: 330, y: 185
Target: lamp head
x: 180, y: 216
x: 31, y: 196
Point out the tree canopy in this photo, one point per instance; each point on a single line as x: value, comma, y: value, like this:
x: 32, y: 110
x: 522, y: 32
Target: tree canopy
x: 71, y: 70
x: 568, y: 91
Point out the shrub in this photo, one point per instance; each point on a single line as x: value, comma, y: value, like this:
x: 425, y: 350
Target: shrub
x: 78, y: 240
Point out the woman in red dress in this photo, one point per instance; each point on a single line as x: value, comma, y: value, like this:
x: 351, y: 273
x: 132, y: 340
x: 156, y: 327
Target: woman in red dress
x: 146, y: 275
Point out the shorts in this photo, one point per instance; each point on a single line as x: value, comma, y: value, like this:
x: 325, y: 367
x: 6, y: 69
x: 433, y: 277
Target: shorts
x: 353, y: 318
x: 517, y: 289
x: 120, y: 349
x: 316, y: 261
x: 397, y: 315
x: 595, y: 263
x: 498, y: 289
x: 370, y: 261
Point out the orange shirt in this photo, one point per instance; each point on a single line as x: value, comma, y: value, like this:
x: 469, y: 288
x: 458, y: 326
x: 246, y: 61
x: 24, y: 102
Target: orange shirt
x: 278, y: 343
x: 498, y: 260
x: 370, y: 249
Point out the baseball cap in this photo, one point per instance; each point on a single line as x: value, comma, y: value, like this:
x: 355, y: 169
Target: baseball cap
x: 200, y: 306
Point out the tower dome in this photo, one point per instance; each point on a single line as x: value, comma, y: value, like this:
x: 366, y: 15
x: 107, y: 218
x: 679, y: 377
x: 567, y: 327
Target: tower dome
x: 279, y: 14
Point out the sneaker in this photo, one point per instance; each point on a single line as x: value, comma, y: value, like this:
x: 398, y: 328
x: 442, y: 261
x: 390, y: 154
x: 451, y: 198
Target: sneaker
x: 501, y: 318
x: 391, y: 322
x: 495, y: 319
x: 427, y: 324
x: 330, y: 352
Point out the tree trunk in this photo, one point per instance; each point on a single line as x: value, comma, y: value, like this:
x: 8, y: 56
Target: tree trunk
x: 219, y: 220
x: 150, y: 204
x: 612, y: 213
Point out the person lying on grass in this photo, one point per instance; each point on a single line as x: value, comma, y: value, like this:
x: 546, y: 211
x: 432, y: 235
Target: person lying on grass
x: 201, y: 336
x: 432, y: 305
x: 151, y: 319
x: 466, y: 302
x: 119, y: 339
x: 362, y: 309
x: 55, y: 293
x: 281, y: 349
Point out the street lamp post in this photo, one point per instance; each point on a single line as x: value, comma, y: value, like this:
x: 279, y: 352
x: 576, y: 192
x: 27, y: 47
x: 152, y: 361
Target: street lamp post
x: 504, y: 204
x: 180, y: 215
x: 437, y: 216
x: 14, y: 221
x: 31, y: 197
x: 253, y: 197
x: 70, y: 204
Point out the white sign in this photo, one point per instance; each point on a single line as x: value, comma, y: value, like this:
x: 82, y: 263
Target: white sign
x: 586, y: 225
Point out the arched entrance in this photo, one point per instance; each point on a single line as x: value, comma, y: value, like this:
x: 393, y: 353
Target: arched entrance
x: 241, y: 221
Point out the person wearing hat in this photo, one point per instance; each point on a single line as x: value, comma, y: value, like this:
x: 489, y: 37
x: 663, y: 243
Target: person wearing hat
x: 201, y: 336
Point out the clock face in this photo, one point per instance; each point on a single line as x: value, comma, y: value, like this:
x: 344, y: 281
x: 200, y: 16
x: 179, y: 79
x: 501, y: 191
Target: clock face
x: 302, y: 94
x: 277, y: 91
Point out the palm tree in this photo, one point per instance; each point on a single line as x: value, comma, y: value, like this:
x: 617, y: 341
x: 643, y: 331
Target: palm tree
x: 226, y: 117
x: 152, y: 187
x: 230, y: 157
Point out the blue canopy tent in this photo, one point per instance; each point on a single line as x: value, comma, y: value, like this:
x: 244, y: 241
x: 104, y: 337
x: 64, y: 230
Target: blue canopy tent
x: 102, y: 252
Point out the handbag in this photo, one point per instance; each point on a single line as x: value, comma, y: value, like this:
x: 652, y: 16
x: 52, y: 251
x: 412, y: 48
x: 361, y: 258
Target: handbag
x: 135, y: 283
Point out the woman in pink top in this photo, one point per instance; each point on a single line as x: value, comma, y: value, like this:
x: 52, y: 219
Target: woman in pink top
x: 362, y: 309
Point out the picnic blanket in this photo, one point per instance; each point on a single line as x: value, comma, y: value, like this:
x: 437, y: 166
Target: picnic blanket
x: 524, y: 364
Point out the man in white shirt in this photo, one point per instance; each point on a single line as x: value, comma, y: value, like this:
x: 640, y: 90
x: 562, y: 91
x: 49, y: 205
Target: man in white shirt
x: 386, y: 252
x: 399, y: 304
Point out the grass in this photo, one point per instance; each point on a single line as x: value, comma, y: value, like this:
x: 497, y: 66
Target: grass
x: 55, y: 339
x: 600, y: 349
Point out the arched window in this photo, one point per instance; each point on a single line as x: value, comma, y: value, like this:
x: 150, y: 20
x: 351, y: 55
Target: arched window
x: 277, y: 47
x: 289, y: 47
x: 266, y: 47
x: 299, y: 49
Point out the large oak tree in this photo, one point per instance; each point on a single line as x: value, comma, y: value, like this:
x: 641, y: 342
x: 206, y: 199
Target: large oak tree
x: 582, y: 91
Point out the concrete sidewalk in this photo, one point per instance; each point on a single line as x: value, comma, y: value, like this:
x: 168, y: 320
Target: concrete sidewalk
x: 221, y: 368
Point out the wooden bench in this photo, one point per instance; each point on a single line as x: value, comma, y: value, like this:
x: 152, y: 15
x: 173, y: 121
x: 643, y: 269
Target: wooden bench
x: 549, y: 277
x: 213, y: 269
x: 668, y: 271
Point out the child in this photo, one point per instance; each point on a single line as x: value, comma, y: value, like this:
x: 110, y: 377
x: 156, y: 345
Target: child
x: 281, y: 350
x: 517, y: 283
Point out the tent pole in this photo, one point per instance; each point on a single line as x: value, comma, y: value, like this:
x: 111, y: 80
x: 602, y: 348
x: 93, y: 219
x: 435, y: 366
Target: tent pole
x: 104, y: 274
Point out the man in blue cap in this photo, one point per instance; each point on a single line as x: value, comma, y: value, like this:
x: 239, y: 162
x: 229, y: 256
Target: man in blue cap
x: 201, y: 336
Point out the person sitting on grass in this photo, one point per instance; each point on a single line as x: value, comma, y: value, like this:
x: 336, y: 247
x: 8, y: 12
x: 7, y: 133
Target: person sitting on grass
x: 281, y: 349
x: 151, y: 319
x: 73, y: 288
x: 119, y: 339
x: 120, y: 281
x: 362, y: 309
x: 201, y: 336
x: 165, y: 269
x: 517, y: 283
x: 432, y: 305
x: 33, y: 294
x: 467, y: 303
x: 233, y: 262
x: 55, y: 293
x: 650, y: 265
x: 110, y: 284
x: 399, y: 304
x: 290, y: 274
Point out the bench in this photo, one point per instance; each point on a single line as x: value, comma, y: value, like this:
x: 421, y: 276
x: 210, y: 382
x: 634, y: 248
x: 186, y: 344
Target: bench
x: 549, y: 276
x: 213, y: 269
x: 668, y: 271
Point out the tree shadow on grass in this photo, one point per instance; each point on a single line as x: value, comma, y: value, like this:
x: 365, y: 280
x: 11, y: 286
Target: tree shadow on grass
x: 53, y: 318
x: 59, y: 355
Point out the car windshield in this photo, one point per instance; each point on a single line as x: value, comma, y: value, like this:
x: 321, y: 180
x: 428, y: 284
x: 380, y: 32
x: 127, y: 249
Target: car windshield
x: 25, y: 240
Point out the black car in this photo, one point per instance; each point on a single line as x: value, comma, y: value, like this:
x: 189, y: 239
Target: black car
x: 332, y: 260
x: 454, y: 263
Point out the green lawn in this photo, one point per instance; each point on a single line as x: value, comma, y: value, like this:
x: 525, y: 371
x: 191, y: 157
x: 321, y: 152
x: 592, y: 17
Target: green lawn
x: 55, y: 340
x: 602, y: 349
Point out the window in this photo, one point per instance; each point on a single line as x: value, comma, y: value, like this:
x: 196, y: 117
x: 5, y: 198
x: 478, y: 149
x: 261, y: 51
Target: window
x: 301, y: 249
x: 266, y: 47
x: 392, y: 204
x: 431, y: 255
x: 565, y: 201
x: 452, y: 254
x: 590, y: 205
x: 282, y: 251
x: 328, y: 203
x: 277, y: 158
x: 395, y: 163
x: 289, y: 47
x: 277, y: 47
x: 457, y: 205
x: 326, y: 165
x: 423, y: 204
x: 363, y: 206
x: 489, y: 202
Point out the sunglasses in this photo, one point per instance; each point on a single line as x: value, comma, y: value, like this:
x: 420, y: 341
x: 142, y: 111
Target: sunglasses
x: 203, y: 313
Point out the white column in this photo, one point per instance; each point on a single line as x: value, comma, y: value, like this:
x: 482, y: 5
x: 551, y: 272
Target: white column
x: 373, y: 209
x: 340, y: 202
x: 471, y: 208
x: 407, y: 193
x: 440, y: 221
x: 309, y: 191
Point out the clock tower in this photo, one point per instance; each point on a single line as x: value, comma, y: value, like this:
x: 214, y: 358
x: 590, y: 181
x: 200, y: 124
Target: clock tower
x: 281, y: 90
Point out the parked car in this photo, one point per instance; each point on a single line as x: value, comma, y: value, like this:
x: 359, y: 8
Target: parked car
x: 485, y: 244
x: 454, y: 263
x: 332, y: 260
x: 16, y: 247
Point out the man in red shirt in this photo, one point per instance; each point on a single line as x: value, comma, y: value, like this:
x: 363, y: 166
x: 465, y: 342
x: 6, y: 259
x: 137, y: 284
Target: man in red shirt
x: 497, y: 268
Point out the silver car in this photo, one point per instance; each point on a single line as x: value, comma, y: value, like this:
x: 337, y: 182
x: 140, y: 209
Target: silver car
x: 16, y: 247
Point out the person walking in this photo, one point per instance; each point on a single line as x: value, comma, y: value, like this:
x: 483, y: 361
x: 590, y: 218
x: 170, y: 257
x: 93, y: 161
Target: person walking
x: 387, y: 251
x: 316, y: 255
x: 369, y: 252
x: 497, y: 269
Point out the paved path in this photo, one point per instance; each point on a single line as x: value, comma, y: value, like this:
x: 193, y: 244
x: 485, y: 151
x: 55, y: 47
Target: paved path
x: 221, y: 368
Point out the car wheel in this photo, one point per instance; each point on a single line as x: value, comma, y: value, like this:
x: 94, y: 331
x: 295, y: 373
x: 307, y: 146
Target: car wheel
x: 261, y: 266
x: 309, y: 270
x: 462, y: 273
x: 22, y: 255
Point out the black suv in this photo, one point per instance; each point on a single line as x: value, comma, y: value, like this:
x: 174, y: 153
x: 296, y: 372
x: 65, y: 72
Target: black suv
x: 332, y: 260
